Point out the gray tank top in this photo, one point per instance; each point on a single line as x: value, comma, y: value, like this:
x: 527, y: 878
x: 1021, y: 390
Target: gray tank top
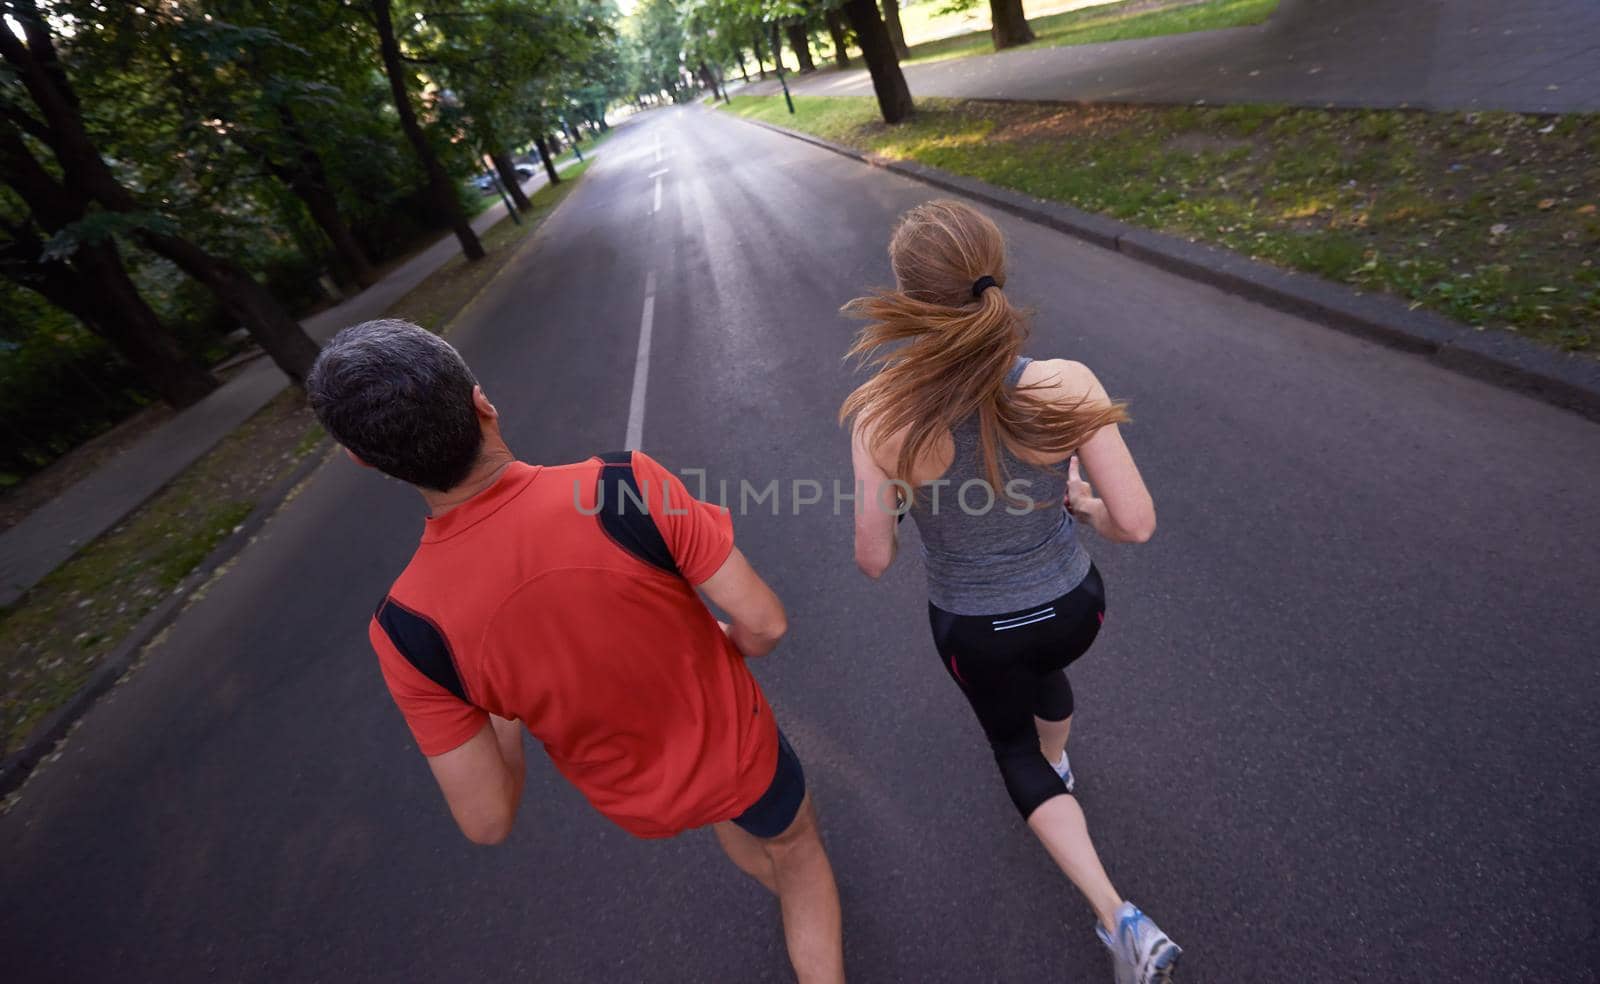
x: 986, y: 555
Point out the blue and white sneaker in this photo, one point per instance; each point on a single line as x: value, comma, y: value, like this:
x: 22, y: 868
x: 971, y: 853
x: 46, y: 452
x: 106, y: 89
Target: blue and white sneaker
x: 1064, y: 770
x: 1141, y: 952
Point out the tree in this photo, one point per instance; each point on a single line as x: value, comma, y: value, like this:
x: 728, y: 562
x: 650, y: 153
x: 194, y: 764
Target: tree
x: 53, y: 118
x: 92, y: 285
x: 267, y: 77
x: 516, y: 66
x: 440, y: 190
x: 657, y: 35
x: 897, y: 37
x: 796, y: 30
x: 1008, y: 24
x: 837, y: 32
x: 888, y: 82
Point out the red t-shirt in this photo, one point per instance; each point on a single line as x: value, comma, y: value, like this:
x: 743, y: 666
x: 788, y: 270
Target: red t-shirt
x: 526, y: 605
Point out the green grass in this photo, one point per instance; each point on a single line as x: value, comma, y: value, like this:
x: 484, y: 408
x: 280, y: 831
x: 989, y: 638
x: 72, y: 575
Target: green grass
x: 589, y: 145
x: 1487, y: 218
x: 1091, y: 25
x: 1111, y: 22
x: 52, y: 639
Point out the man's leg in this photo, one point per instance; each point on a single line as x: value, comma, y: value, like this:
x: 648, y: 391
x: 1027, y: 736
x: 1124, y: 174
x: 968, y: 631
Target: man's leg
x: 745, y: 851
x: 802, y: 879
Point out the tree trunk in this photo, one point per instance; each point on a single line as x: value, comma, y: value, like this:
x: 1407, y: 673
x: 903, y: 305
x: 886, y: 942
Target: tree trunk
x: 95, y: 288
x: 801, y: 46
x: 324, y: 209
x: 243, y: 298
x: 761, y: 66
x: 510, y: 178
x: 118, y: 314
x: 439, y: 187
x: 543, y: 146
x: 775, y: 41
x: 836, y: 31
x: 710, y: 79
x: 891, y: 18
x: 743, y: 71
x: 305, y: 176
x: 888, y: 82
x: 1010, y: 26
x: 308, y: 179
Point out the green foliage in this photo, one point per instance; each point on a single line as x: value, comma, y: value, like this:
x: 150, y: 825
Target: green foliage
x: 258, y: 129
x: 100, y: 226
x: 59, y: 385
x: 515, y: 67
x: 656, y: 35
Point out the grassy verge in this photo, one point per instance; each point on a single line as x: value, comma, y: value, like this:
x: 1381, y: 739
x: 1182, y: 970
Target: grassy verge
x: 589, y: 146
x: 52, y: 639
x: 1487, y: 218
x: 1111, y: 22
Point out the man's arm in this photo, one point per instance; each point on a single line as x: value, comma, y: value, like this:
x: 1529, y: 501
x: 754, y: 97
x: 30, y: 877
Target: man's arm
x: 482, y: 780
x: 758, y: 617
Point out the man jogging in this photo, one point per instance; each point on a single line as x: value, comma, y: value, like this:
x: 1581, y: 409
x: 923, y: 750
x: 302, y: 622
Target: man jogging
x: 561, y: 599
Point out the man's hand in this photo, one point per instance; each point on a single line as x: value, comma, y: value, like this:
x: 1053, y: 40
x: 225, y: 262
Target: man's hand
x: 758, y: 617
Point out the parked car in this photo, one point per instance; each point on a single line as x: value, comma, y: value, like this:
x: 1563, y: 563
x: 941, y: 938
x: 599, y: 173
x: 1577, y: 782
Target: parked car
x: 485, y: 181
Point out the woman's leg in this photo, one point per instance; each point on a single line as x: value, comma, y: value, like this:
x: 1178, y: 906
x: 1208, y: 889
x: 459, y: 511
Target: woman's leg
x: 1004, y: 702
x: 1052, y: 737
x: 1006, y: 692
x: 1059, y: 824
x: 1052, y: 714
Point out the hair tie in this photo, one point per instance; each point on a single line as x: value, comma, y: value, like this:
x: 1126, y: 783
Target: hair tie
x: 982, y: 284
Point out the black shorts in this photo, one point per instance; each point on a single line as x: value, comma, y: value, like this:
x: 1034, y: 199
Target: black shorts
x: 1010, y: 668
x: 775, y: 811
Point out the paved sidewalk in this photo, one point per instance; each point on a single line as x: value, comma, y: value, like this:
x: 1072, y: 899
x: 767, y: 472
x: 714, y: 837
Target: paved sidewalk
x: 51, y: 534
x: 1527, y: 56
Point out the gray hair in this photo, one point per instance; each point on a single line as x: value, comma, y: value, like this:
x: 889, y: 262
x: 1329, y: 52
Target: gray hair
x: 400, y: 397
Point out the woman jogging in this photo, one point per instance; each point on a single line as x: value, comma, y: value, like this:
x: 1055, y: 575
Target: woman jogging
x: 986, y: 446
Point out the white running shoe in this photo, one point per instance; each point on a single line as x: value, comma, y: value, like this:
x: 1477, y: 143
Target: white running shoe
x: 1064, y: 770
x: 1141, y: 952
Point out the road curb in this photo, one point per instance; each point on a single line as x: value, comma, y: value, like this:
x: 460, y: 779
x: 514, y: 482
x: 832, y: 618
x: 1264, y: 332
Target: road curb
x: 17, y: 766
x: 1569, y: 381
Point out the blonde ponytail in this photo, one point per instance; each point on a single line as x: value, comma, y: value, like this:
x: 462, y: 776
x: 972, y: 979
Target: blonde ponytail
x: 942, y: 355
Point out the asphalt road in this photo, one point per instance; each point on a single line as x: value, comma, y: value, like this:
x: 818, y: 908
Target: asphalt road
x: 1340, y: 726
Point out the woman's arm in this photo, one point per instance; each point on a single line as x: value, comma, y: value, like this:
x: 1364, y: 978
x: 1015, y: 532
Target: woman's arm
x: 1123, y: 510
x: 876, y: 532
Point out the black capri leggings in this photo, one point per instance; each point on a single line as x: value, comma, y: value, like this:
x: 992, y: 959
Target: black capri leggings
x: 1011, y: 667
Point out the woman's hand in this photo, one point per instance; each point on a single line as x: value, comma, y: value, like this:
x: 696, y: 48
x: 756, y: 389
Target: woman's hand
x: 1092, y: 511
x: 1081, y: 500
